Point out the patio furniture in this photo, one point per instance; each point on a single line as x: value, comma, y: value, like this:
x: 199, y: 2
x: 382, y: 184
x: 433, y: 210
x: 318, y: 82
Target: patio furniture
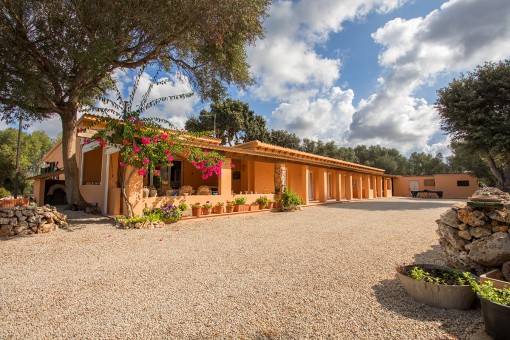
x: 428, y: 193
x: 185, y: 190
x: 203, y: 190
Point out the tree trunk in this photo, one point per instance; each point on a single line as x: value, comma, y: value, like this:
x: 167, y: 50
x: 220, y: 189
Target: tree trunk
x: 494, y: 169
x: 125, y: 182
x: 69, y: 119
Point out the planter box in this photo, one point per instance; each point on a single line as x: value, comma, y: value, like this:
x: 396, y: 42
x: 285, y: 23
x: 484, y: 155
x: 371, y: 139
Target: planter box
x: 497, y: 279
x: 496, y: 318
x: 435, y: 295
x: 14, y: 202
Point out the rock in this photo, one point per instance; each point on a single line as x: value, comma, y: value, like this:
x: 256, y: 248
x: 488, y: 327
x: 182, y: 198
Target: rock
x: 503, y: 228
x: 460, y: 260
x: 20, y: 229
x: 463, y: 226
x: 465, y: 234
x: 6, y: 230
x: 480, y: 232
x: 459, y: 205
x: 450, y: 235
x: 505, y: 270
x: 496, y: 229
x: 7, y: 212
x: 491, y: 251
x: 474, y: 218
x: 5, y: 220
x: 46, y: 228
x: 450, y: 218
x: 497, y: 215
x: 138, y: 225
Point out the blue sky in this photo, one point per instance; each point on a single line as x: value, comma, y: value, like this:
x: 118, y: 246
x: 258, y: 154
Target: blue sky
x: 359, y: 71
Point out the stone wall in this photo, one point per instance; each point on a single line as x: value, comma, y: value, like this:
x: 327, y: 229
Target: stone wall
x: 477, y: 238
x: 30, y: 220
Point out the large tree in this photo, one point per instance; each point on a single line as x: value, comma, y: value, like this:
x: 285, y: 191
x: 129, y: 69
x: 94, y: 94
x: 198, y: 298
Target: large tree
x: 235, y: 122
x: 56, y: 54
x: 475, y: 109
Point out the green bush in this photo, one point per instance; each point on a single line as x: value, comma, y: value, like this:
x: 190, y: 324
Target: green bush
x: 240, y: 200
x: 4, y: 193
x: 183, y: 207
x: 262, y: 200
x: 290, y: 199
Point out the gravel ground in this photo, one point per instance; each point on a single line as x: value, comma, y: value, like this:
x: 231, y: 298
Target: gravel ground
x: 324, y: 272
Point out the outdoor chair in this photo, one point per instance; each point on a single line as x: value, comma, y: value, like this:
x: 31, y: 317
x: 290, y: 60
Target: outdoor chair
x: 203, y: 190
x: 185, y: 189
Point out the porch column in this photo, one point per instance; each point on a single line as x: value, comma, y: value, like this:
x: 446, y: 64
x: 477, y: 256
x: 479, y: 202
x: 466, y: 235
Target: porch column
x: 337, y: 180
x: 379, y: 186
x: 359, y: 190
x: 323, y: 185
x: 348, y: 186
x: 305, y: 172
x: 280, y: 176
x: 374, y: 186
x: 225, y: 180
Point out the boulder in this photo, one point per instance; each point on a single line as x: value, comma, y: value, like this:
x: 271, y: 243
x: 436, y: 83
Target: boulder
x: 491, y: 251
x: 474, y: 218
x: 497, y: 215
x: 505, y: 270
x: 449, y: 218
x: 479, y: 232
x: 465, y: 234
x: 450, y: 235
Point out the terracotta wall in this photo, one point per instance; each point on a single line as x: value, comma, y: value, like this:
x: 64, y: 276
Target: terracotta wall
x: 444, y: 182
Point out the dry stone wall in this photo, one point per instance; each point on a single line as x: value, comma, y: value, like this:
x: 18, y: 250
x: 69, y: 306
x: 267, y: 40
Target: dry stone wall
x: 30, y: 220
x: 477, y: 238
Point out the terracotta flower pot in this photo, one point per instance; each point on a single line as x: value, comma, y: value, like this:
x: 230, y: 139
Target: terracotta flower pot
x: 254, y: 207
x: 196, y: 212
x: 206, y: 211
x: 229, y: 208
x: 218, y: 209
x: 269, y: 205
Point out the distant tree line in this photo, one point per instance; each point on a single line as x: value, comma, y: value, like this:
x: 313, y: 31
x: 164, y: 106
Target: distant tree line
x: 236, y: 123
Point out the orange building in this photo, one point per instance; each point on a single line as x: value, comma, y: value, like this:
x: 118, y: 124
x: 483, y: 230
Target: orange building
x: 259, y: 169
x: 450, y: 185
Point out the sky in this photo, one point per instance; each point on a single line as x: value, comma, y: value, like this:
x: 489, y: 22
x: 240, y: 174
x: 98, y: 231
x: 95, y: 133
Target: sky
x: 356, y: 71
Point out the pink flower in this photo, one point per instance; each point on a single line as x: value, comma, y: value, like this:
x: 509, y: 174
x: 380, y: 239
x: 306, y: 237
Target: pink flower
x: 205, y: 176
x: 157, y: 172
x: 164, y: 136
x: 156, y: 139
x: 170, y: 158
x: 167, y: 152
x: 122, y: 164
x: 146, y: 141
x: 136, y: 149
x: 80, y: 129
x: 170, y: 143
x: 146, y: 161
x: 142, y: 172
x: 184, y: 154
x: 232, y: 165
x: 131, y: 119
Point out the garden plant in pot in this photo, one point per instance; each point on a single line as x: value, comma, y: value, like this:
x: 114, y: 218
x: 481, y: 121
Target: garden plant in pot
x: 196, y: 209
x: 262, y: 202
x: 240, y: 204
x: 207, y: 208
x: 437, y: 286
x: 495, y: 308
x: 218, y: 208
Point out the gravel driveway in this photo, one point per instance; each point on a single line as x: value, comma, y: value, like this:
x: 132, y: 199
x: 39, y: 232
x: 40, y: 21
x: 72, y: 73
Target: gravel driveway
x: 324, y: 272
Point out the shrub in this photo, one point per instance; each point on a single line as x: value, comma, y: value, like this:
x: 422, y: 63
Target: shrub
x: 290, y: 199
x: 231, y: 203
x: 240, y: 200
x: 262, y: 200
x: 220, y: 204
x: 172, y: 213
x: 196, y: 205
x: 183, y: 207
x: 4, y: 193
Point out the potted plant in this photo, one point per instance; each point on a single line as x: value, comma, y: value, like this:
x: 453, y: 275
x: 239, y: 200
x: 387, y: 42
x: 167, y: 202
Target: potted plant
x: 196, y: 209
x: 254, y: 206
x: 171, y: 213
x: 230, y: 206
x: 270, y: 204
x: 240, y: 204
x: 207, y: 208
x: 495, y: 308
x: 262, y: 202
x: 290, y: 200
x: 218, y: 208
x: 277, y: 203
x: 437, y: 286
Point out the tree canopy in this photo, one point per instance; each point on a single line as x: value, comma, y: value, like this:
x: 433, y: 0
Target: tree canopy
x: 475, y: 110
x: 56, y: 54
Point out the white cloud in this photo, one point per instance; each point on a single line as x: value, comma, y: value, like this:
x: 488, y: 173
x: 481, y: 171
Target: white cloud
x: 455, y: 38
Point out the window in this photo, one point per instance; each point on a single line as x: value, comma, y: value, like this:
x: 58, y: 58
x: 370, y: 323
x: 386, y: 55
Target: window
x: 169, y: 177
x: 92, y: 162
x: 462, y: 183
x: 429, y: 183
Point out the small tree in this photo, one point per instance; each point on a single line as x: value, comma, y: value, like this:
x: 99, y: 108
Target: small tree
x: 146, y: 142
x: 475, y: 110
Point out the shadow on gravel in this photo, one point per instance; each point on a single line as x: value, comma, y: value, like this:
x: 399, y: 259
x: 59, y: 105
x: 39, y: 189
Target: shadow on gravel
x: 459, y: 323
x: 393, y: 205
x: 80, y: 220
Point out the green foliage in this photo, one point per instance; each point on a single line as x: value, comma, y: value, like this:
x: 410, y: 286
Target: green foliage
x: 262, y: 200
x: 33, y: 147
x: 290, y: 199
x: 166, y: 213
x: 487, y: 291
x: 220, y: 204
x: 240, y: 200
x: 4, y: 193
x: 284, y: 139
x: 439, y: 277
x: 196, y: 205
x: 474, y: 110
x: 183, y: 207
x: 207, y: 205
x: 235, y: 122
x: 465, y: 159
